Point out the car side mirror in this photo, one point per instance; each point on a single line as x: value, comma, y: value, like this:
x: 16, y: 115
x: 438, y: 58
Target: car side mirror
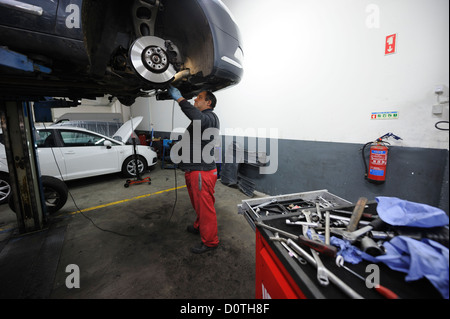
x: 108, y: 144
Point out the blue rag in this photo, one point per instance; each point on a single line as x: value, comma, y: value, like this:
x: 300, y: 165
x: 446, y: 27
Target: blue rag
x: 398, y: 212
x: 418, y: 259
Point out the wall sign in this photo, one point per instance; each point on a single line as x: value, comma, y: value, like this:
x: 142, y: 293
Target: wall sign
x: 390, y: 44
x: 384, y: 115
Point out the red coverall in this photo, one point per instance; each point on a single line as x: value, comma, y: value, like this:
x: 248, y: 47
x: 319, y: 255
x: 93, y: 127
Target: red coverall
x: 200, y: 185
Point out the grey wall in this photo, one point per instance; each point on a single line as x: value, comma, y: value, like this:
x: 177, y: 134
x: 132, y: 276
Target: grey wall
x: 414, y: 174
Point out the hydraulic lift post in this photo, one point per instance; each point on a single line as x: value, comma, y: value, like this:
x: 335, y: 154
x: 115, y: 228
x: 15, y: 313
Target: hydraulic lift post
x: 24, y: 177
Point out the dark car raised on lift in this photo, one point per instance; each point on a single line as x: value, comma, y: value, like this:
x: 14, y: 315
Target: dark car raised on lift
x: 74, y: 49
x: 127, y: 49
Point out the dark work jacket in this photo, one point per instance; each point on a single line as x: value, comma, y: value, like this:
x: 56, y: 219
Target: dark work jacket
x: 200, y: 121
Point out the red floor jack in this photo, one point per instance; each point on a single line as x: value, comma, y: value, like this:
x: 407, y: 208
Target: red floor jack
x: 138, y: 179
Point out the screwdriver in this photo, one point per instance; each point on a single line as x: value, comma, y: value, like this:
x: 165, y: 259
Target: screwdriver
x: 385, y: 292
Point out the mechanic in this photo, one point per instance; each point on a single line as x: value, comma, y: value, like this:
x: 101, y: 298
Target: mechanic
x: 200, y: 171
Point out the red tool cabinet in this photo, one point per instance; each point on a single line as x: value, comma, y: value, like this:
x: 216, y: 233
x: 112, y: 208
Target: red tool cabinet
x: 272, y: 280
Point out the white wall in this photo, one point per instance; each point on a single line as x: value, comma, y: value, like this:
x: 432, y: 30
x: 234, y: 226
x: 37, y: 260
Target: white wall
x: 316, y: 69
x: 164, y: 116
x: 100, y: 105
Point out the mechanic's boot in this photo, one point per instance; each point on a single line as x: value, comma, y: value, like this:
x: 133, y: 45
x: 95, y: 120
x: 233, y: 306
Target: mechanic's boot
x: 202, y: 248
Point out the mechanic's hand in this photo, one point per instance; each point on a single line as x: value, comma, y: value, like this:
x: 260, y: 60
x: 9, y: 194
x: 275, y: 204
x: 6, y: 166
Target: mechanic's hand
x: 174, y: 93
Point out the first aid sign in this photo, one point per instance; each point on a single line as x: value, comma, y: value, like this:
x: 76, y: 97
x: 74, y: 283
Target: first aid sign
x: 390, y: 44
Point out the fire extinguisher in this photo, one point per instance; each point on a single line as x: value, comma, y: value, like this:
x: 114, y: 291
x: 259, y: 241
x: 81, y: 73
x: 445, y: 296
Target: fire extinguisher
x: 378, y: 158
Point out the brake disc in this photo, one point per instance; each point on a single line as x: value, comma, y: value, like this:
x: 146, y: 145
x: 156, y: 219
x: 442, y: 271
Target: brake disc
x: 150, y: 59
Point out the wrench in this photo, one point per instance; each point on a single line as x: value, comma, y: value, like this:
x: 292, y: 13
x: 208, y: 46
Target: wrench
x: 327, y: 227
x: 265, y: 204
x: 318, y: 208
x: 333, y: 278
x: 288, y: 222
x: 289, y: 249
x: 322, y: 275
x: 353, y: 236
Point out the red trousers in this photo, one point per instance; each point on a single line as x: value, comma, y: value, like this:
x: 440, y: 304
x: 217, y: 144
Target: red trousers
x: 200, y: 185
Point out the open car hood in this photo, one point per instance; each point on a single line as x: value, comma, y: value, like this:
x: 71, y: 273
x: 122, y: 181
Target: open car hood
x: 125, y: 131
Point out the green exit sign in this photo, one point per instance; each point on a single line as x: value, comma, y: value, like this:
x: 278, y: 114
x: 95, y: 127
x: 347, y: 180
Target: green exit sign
x: 384, y: 116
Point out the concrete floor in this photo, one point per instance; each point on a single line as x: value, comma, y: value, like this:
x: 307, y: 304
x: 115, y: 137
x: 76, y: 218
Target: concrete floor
x: 139, y: 252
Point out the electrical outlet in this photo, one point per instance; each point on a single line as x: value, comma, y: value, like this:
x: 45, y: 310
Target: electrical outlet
x: 439, y: 89
x: 438, y: 109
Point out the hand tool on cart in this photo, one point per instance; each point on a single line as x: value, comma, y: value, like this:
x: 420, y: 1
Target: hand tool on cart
x: 318, y: 209
x: 327, y: 227
x: 324, y: 203
x: 289, y: 249
x: 365, y: 215
x: 272, y: 201
x: 289, y: 222
x: 353, y: 236
x: 322, y: 248
x: 357, y: 213
x: 385, y: 292
x: 343, y: 221
x: 332, y: 277
x: 322, y: 276
x: 369, y: 246
x: 327, y: 221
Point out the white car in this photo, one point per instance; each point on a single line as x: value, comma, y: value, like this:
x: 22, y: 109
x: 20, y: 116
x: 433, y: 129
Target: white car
x: 69, y: 153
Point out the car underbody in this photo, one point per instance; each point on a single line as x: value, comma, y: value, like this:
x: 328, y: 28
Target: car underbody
x: 125, y: 49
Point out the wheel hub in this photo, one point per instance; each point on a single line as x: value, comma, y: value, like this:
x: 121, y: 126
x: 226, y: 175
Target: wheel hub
x: 156, y: 59
x: 150, y: 60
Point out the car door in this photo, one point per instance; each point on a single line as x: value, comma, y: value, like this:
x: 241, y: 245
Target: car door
x: 85, y: 154
x: 50, y: 159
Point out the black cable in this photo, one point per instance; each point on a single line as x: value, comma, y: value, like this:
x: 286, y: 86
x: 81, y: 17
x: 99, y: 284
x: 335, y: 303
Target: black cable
x: 440, y: 128
x: 174, y: 169
x: 96, y: 226
x: 176, y: 193
x: 76, y: 206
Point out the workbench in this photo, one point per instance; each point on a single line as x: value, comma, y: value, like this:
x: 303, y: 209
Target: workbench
x: 281, y: 276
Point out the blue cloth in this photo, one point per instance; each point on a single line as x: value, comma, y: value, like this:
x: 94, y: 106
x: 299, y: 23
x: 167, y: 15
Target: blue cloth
x: 418, y: 259
x: 398, y: 212
x: 350, y: 253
